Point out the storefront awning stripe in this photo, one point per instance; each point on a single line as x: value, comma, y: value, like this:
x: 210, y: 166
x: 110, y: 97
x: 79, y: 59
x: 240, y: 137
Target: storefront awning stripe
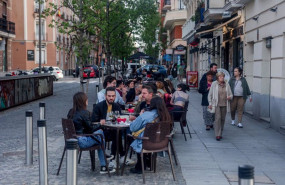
x: 221, y: 25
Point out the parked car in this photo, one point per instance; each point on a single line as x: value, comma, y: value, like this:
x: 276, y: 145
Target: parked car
x: 89, y: 72
x: 157, y: 69
x: 95, y: 68
x: 54, y: 70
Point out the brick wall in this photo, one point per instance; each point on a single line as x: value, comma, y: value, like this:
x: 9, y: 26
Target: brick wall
x: 176, y: 33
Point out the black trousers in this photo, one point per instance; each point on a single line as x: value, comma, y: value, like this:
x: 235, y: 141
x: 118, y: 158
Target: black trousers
x: 146, y: 160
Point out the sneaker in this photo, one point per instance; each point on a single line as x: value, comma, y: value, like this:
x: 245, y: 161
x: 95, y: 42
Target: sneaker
x: 128, y: 161
x: 233, y: 122
x: 240, y: 125
x: 112, y: 164
x: 104, y: 170
x: 208, y: 127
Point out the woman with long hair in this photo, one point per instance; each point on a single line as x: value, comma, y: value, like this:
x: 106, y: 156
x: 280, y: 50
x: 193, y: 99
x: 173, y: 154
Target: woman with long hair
x: 157, y: 112
x: 178, y: 100
x: 82, y: 122
x: 241, y: 92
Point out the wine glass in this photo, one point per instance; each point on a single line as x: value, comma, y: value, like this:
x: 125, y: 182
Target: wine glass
x: 117, y: 114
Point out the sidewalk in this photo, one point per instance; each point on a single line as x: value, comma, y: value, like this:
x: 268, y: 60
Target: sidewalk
x: 206, y: 161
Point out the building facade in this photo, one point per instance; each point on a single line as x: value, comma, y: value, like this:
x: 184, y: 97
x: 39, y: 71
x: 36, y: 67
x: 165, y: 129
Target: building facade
x: 174, y: 16
x: 7, y: 33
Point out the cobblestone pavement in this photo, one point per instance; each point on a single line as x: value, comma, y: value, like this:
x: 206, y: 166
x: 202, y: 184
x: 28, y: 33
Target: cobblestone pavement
x: 12, y: 145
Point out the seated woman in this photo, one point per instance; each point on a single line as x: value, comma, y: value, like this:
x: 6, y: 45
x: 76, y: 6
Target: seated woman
x: 157, y: 112
x: 178, y: 100
x: 83, y: 125
x: 131, y: 95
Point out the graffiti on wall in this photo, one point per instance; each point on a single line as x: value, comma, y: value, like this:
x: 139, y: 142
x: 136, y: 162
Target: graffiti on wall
x: 24, y: 90
x: 7, y: 94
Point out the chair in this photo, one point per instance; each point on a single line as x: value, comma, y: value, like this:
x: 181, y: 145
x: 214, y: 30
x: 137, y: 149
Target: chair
x: 155, y: 139
x: 183, y: 119
x: 69, y: 132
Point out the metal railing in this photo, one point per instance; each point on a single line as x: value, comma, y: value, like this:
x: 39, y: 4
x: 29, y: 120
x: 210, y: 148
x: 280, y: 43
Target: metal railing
x: 7, y: 26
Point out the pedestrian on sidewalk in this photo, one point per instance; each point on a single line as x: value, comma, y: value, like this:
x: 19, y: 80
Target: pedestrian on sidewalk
x: 203, y: 81
x: 240, y: 91
x: 174, y: 75
x: 208, y: 117
x: 181, y: 73
x: 219, y: 102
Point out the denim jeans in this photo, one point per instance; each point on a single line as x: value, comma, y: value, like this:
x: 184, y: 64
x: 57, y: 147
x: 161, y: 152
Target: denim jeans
x: 85, y: 142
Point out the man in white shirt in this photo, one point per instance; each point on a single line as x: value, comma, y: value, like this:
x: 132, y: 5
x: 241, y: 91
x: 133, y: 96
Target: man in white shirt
x: 111, y: 81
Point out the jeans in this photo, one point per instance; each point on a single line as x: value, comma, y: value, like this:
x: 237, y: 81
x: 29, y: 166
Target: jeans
x: 85, y: 142
x: 177, y: 115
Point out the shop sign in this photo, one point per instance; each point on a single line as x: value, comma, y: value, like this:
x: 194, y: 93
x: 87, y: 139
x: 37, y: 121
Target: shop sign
x: 192, y: 78
x: 169, y: 51
x: 179, y: 52
x: 180, y: 48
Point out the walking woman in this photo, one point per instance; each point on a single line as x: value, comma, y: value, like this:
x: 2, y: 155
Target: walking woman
x: 219, y: 96
x: 83, y: 125
x: 240, y: 91
x: 204, y: 89
x: 156, y: 112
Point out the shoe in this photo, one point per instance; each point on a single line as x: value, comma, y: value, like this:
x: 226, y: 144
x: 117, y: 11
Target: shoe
x: 208, y: 127
x: 211, y: 126
x: 218, y: 138
x: 109, y: 157
x: 136, y: 171
x: 112, y: 164
x: 239, y: 125
x: 128, y: 161
x: 233, y: 122
x: 104, y: 170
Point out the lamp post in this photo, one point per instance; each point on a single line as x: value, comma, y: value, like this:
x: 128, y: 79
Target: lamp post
x: 40, y: 37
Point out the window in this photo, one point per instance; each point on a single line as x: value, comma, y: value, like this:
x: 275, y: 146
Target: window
x: 37, y: 7
x: 43, y: 31
x: 181, y: 5
x: 43, y: 61
x: 4, y: 10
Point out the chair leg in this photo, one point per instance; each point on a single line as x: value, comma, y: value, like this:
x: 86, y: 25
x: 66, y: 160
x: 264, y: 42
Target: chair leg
x: 155, y: 157
x: 125, y: 158
x: 182, y: 130
x: 188, y: 130
x: 109, y: 145
x: 80, y: 152
x: 131, y: 153
x: 142, y: 167
x: 173, y: 150
x: 107, y: 165
x: 92, y: 157
x: 171, y: 163
x: 61, y: 161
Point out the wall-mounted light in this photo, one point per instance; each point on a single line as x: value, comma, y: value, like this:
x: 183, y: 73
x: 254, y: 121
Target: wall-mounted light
x: 255, y: 18
x: 274, y: 9
x: 268, y: 42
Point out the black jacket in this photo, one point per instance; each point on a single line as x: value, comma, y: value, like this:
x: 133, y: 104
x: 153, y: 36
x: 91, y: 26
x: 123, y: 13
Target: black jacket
x: 203, y: 86
x: 131, y: 95
x: 82, y: 122
x: 174, y: 72
x: 100, y: 110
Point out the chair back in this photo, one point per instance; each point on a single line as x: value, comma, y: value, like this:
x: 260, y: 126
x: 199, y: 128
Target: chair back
x: 156, y: 132
x: 68, y: 128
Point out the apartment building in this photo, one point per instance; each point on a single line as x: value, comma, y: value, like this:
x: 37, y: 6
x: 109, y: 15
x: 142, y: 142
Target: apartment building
x: 7, y: 33
x: 174, y: 15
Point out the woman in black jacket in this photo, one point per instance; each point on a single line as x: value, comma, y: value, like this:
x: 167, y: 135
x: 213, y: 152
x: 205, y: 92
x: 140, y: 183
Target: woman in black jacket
x: 131, y: 95
x: 83, y: 125
x: 204, y: 89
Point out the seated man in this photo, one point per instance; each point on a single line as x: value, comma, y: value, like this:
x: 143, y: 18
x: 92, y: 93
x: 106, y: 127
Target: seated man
x: 101, y: 113
x: 110, y: 81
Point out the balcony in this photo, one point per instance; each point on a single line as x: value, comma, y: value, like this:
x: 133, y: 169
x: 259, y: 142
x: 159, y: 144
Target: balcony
x: 174, y: 16
x: 188, y: 29
x: 7, y: 26
x: 214, y: 11
x: 231, y: 5
x: 242, y: 1
x: 166, y: 5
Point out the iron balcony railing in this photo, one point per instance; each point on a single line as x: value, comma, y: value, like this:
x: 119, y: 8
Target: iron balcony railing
x: 7, y: 26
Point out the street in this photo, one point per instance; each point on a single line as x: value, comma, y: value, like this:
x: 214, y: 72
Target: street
x: 202, y: 160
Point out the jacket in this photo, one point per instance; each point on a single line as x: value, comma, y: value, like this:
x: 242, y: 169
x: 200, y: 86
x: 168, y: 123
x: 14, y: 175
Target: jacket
x: 139, y: 123
x: 246, y: 90
x: 100, y: 110
x: 131, y: 95
x: 204, y: 91
x: 213, y: 95
x: 82, y: 122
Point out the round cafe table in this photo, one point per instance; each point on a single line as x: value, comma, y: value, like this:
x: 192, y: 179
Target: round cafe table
x: 117, y: 126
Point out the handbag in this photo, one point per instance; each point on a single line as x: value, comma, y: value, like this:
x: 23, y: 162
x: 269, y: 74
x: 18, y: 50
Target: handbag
x: 212, y: 110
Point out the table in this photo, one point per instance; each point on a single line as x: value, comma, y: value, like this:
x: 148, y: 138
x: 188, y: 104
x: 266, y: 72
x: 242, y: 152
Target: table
x: 118, y: 127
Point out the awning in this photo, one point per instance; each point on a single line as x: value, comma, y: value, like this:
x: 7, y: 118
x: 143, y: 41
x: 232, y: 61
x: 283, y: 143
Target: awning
x: 221, y: 25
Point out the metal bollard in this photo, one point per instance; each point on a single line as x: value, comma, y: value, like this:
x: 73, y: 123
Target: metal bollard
x: 43, y: 164
x: 29, y: 137
x: 246, y: 175
x: 42, y: 111
x: 71, y: 161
